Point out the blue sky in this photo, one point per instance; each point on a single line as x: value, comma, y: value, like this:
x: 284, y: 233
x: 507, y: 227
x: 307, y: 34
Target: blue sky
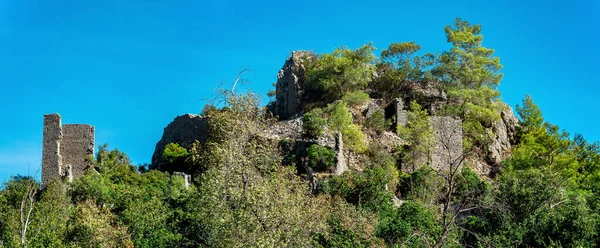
x: 129, y: 67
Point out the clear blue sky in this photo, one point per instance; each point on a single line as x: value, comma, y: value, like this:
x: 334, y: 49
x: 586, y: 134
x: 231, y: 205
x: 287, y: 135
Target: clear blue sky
x: 129, y: 67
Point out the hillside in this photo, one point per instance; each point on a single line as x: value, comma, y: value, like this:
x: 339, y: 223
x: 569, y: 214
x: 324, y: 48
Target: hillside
x: 401, y: 149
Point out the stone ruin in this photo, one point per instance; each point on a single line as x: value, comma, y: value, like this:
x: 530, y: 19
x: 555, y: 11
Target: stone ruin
x: 65, y: 148
x: 288, y: 106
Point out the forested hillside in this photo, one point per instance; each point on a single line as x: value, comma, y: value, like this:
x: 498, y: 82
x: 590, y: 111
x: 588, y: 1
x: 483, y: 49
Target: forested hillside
x: 255, y: 184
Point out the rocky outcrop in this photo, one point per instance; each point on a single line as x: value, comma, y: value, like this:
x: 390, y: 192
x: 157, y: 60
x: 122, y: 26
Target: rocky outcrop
x: 289, y: 90
x: 505, y: 131
x: 183, y: 130
x: 429, y: 95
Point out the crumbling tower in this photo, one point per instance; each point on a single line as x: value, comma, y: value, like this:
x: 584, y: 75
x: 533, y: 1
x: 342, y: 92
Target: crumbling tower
x: 65, y: 149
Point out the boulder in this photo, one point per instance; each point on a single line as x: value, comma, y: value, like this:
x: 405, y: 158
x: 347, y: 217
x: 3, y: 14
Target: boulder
x: 183, y: 130
x: 429, y: 95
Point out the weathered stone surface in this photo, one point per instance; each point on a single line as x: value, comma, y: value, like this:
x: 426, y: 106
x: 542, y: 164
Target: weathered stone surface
x: 65, y: 149
x: 51, y: 159
x: 340, y: 160
x: 447, y: 150
x: 505, y: 130
x: 76, y: 145
x: 429, y: 95
x: 511, y: 122
x: 183, y: 130
x: 289, y: 91
x: 397, y: 110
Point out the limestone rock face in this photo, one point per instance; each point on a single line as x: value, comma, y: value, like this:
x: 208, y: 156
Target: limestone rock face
x: 429, y: 95
x: 183, y: 130
x: 505, y: 130
x: 289, y: 86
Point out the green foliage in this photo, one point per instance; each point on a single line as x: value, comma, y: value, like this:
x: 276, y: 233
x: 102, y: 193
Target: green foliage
x: 320, y: 158
x: 379, y: 157
x: 367, y: 190
x: 399, y: 66
x: 340, y: 119
x: 530, y: 114
x: 377, y: 122
x: 468, y: 64
x: 418, y: 135
x: 313, y: 123
x: 91, y: 226
x: 399, y: 226
x: 546, y: 194
x: 340, y: 72
x: 355, y: 98
x: 471, y: 74
x: 348, y: 226
x: 174, y: 152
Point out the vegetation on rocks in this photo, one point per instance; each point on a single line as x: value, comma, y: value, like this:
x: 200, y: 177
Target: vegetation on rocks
x: 545, y: 193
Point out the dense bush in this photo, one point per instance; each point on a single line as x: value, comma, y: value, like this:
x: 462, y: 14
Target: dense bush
x: 340, y: 119
x: 340, y: 72
x: 355, y: 98
x: 377, y: 122
x: 313, y: 124
x: 320, y: 158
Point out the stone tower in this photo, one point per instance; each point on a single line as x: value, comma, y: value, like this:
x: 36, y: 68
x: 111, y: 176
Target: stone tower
x: 65, y: 149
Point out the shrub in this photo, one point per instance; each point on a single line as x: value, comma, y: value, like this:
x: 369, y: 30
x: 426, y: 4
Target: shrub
x: 340, y: 119
x: 367, y: 190
x: 339, y: 72
x: 313, y: 124
x: 377, y: 122
x: 356, y: 98
x: 320, y: 158
x: 174, y: 152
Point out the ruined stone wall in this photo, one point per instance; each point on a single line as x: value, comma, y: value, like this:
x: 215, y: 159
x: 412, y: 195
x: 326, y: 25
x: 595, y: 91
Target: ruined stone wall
x: 65, y: 149
x: 448, y: 149
x: 51, y: 159
x: 340, y: 160
x: 76, y: 145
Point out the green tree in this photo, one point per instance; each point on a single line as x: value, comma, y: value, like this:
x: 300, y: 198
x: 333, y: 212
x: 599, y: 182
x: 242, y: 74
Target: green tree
x: 340, y: 72
x: 399, y: 66
x: 468, y: 64
x: 471, y: 74
x: 320, y: 158
x: 340, y: 119
x: 418, y: 135
x: 313, y: 123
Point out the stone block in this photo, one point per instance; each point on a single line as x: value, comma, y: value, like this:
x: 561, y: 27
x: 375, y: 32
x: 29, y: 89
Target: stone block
x: 51, y: 158
x: 77, y: 144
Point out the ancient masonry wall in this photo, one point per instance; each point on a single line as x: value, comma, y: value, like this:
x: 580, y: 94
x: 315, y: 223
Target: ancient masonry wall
x: 51, y: 159
x: 448, y: 149
x: 65, y: 149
